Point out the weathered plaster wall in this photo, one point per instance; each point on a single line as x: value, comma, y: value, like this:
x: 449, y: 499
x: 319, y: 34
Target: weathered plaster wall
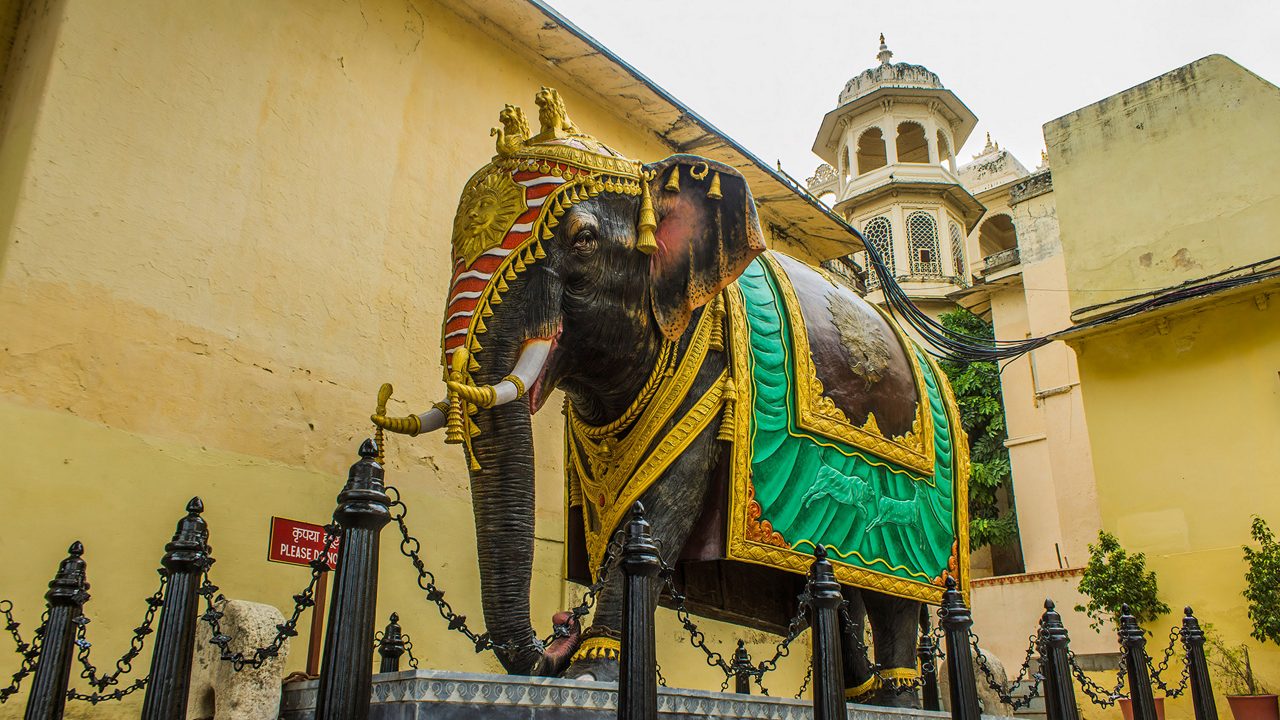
x: 225, y: 224
x: 1209, y: 126
x: 1183, y: 421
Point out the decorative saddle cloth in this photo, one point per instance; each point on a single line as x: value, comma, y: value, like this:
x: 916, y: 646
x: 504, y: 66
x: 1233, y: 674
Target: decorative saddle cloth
x: 843, y: 434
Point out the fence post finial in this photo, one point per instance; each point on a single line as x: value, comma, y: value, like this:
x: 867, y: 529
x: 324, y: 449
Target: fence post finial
x: 68, y: 592
x: 185, y: 559
x: 392, y: 646
x: 346, y: 672
x: 1055, y: 664
x: 638, y: 669
x: 1197, y: 668
x: 1133, y: 643
x: 828, y: 669
x: 956, y: 620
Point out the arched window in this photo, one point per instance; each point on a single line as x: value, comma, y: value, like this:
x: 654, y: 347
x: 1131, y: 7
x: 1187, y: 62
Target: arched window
x: 912, y: 146
x: 871, y: 152
x: 957, y: 255
x: 997, y: 235
x: 922, y: 244
x: 879, y: 235
x: 944, y: 150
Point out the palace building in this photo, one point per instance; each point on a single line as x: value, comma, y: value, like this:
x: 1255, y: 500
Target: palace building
x: 1135, y: 198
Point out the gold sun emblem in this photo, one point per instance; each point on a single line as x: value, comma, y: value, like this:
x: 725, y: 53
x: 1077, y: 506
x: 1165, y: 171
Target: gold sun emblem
x: 488, y: 207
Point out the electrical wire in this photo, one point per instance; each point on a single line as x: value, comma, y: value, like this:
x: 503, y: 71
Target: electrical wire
x: 956, y: 346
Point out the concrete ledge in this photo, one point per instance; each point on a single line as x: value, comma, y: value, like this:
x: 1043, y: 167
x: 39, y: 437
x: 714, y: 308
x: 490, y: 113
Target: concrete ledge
x: 444, y: 695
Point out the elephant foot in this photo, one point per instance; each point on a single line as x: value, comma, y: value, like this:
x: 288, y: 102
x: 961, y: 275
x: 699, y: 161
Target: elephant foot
x: 597, y: 658
x: 598, y: 669
x: 556, y: 656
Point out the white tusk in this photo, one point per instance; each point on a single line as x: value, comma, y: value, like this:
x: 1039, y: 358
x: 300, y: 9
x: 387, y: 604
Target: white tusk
x: 431, y: 420
x: 528, y: 367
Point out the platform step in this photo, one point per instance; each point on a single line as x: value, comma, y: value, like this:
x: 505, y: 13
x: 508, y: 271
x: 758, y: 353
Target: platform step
x: 444, y: 695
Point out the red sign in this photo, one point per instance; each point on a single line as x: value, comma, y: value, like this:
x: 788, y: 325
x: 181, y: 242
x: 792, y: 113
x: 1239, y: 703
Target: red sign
x: 298, y: 543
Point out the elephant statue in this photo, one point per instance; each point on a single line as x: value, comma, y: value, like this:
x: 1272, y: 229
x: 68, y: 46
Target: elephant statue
x: 756, y: 405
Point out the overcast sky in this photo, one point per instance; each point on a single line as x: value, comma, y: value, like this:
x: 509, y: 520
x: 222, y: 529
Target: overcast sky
x: 766, y: 71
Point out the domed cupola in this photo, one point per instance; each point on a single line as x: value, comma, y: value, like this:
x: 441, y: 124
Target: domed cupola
x: 890, y: 148
x: 887, y: 74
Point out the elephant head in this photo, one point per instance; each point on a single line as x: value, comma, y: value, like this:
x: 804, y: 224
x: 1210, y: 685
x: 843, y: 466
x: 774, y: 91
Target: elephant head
x: 571, y: 264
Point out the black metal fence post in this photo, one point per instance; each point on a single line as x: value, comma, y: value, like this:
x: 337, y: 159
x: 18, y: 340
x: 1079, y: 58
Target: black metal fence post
x: 638, y: 683
x: 346, y: 673
x: 68, y: 592
x: 1198, y: 669
x: 742, y: 669
x: 184, y: 560
x: 828, y: 668
x: 392, y: 646
x: 927, y: 654
x: 1055, y: 664
x: 956, y: 621
x: 1134, y: 643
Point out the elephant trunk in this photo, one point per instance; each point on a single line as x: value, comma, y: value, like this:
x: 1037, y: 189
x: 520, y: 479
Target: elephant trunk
x: 502, y: 496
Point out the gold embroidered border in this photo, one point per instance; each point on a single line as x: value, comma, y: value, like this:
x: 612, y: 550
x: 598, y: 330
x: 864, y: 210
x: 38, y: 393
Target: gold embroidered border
x: 960, y: 479
x: 818, y: 414
x: 738, y: 547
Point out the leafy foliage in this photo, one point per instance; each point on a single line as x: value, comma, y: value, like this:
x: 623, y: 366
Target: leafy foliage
x: 1231, y: 663
x: 1113, y: 578
x: 1262, y: 583
x: 977, y: 390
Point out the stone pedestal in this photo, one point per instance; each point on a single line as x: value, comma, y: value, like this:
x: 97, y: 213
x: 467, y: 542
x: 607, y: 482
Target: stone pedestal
x: 441, y: 695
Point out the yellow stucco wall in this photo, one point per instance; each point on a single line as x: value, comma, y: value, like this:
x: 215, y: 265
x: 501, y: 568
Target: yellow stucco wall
x: 1183, y: 424
x: 225, y: 224
x: 1168, y: 181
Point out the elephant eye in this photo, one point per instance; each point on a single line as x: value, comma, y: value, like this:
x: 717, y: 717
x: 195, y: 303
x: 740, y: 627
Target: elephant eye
x: 584, y: 241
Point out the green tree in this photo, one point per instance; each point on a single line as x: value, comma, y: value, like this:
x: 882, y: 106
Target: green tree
x: 1112, y: 579
x: 977, y: 390
x: 1262, y: 583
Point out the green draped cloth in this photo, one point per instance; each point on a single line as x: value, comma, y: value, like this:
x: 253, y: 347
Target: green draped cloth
x: 895, y: 528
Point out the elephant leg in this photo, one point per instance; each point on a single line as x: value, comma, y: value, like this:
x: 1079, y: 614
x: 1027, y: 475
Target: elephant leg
x: 854, y: 654
x: 672, y: 505
x: 895, y: 624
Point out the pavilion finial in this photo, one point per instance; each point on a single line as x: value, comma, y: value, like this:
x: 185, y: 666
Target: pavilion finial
x: 885, y: 53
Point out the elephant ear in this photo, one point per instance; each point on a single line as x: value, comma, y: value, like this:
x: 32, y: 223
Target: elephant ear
x: 707, y: 234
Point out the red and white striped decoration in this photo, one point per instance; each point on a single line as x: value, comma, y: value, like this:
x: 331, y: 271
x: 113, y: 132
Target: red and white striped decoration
x: 470, y: 283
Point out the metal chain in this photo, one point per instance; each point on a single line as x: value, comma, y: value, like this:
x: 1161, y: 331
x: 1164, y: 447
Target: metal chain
x: 804, y: 685
x: 124, y: 665
x: 96, y: 697
x: 408, y: 650
x: 29, y: 652
x: 411, y: 548
x: 1099, y: 695
x: 1175, y: 638
x: 303, y: 600
x: 698, y: 639
x: 661, y: 680
x: 1005, y: 692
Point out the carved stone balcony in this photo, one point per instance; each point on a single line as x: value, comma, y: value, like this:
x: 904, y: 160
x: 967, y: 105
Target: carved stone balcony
x: 1000, y: 260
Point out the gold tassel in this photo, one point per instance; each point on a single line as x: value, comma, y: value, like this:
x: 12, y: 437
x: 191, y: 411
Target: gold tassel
x: 645, y: 240
x: 537, y: 251
x: 727, y: 419
x: 714, y: 191
x: 453, y: 429
x: 480, y: 328
x: 546, y: 229
x: 673, y: 180
x: 717, y: 323
x: 384, y: 394
x: 502, y: 287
